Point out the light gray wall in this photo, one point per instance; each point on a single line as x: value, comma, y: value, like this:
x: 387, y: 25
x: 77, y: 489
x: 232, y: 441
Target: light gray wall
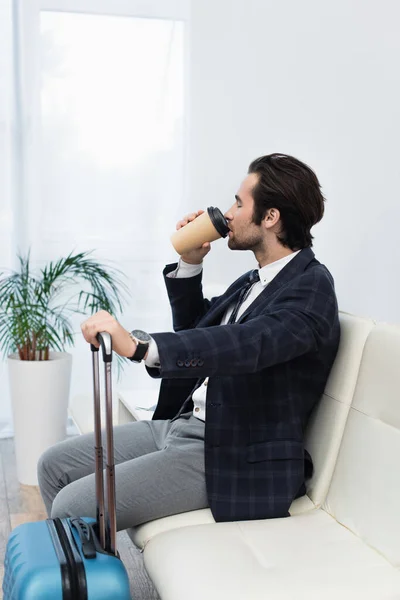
x: 319, y: 80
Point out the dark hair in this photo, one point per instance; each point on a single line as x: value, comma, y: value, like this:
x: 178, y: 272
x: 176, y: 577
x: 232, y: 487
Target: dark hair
x: 291, y: 187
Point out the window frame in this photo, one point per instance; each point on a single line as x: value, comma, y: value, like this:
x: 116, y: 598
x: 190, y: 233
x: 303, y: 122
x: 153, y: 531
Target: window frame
x: 158, y: 9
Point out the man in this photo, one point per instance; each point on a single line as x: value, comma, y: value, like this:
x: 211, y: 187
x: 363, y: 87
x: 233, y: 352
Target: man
x: 240, y: 375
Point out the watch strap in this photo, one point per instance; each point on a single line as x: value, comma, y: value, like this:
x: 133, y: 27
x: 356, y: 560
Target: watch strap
x: 140, y: 352
x: 141, y: 349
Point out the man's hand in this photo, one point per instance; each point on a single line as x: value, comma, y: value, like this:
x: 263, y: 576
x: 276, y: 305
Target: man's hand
x: 102, y: 321
x: 195, y: 257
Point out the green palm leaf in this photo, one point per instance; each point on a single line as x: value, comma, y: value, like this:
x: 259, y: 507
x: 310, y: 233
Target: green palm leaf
x: 33, y: 321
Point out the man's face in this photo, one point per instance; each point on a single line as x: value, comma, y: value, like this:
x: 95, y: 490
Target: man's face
x: 244, y: 234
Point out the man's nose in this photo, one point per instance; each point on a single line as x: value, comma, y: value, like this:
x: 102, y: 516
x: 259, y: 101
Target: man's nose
x: 228, y: 215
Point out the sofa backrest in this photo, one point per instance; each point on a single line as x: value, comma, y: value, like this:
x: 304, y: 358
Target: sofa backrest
x: 328, y: 419
x: 365, y: 491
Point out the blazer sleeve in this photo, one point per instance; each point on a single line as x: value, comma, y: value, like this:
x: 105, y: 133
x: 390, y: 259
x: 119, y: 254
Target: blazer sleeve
x: 185, y: 295
x: 294, y: 325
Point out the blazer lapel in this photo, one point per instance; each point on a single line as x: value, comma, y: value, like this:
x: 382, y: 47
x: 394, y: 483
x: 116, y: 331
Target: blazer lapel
x: 214, y: 316
x: 297, y: 265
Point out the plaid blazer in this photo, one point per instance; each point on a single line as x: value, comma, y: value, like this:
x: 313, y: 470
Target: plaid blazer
x: 267, y: 371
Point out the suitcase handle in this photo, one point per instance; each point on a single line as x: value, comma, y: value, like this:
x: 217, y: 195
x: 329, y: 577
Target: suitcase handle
x: 104, y: 339
x: 86, y: 536
x: 107, y: 524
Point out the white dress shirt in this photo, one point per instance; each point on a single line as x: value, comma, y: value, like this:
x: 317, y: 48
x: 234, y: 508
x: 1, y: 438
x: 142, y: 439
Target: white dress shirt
x: 267, y: 274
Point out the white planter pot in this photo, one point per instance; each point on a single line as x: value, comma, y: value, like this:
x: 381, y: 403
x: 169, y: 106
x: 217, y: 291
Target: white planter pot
x: 39, y: 395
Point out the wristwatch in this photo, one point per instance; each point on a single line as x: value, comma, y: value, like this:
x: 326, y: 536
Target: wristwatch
x: 142, y: 339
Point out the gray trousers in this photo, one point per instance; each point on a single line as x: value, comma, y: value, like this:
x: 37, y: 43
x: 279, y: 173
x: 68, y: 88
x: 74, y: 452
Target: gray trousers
x: 159, y: 472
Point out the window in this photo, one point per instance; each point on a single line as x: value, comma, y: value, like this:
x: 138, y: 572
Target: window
x: 111, y: 151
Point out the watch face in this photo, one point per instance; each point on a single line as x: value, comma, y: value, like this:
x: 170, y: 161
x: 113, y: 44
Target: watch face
x: 142, y: 336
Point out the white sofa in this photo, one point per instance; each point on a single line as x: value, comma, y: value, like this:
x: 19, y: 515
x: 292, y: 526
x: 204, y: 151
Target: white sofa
x: 343, y: 542
x: 323, y: 436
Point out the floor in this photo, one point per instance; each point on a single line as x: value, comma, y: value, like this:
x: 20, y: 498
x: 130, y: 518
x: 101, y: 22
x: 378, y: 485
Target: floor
x: 20, y: 504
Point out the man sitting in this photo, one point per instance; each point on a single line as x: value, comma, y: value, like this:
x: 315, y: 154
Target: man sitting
x: 240, y: 374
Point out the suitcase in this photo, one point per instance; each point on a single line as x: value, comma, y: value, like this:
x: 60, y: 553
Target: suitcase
x: 74, y: 558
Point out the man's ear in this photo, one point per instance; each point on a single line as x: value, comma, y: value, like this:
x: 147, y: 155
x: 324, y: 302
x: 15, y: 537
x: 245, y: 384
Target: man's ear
x: 272, y: 217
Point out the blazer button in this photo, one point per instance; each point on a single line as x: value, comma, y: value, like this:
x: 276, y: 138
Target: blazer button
x: 187, y: 363
x: 179, y: 363
x: 200, y: 362
x: 193, y: 362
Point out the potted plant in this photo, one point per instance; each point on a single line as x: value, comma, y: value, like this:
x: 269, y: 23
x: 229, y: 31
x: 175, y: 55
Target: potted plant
x: 34, y: 331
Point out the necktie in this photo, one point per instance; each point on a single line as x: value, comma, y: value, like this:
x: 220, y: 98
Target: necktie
x: 244, y: 292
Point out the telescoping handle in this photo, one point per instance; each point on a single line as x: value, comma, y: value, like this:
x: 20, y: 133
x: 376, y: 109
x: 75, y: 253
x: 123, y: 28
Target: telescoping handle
x: 107, y: 523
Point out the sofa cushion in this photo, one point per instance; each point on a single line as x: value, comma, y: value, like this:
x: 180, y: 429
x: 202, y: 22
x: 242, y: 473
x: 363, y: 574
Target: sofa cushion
x: 327, y: 421
x: 310, y: 557
x: 143, y: 534
x: 365, y: 490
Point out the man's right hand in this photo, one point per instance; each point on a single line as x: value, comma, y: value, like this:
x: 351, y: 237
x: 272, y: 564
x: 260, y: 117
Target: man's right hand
x: 194, y: 257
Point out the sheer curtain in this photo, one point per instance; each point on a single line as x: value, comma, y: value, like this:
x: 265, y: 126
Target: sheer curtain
x: 102, y: 93
x: 8, y: 141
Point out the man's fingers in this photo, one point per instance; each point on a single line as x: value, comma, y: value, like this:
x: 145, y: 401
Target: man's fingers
x: 89, y: 333
x: 189, y: 218
x: 101, y: 321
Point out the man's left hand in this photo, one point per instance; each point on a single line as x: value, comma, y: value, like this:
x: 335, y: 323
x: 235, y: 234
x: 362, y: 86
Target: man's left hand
x: 102, y: 321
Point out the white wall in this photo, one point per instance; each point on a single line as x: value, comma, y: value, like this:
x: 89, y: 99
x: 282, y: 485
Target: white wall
x: 321, y: 81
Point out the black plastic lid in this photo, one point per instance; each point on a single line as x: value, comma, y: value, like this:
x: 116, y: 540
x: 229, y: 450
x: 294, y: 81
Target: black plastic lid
x: 218, y: 220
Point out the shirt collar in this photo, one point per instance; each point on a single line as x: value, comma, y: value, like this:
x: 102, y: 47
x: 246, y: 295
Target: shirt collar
x: 268, y: 272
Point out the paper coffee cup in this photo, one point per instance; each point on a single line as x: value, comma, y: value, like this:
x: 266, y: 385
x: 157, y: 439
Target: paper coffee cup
x: 207, y: 227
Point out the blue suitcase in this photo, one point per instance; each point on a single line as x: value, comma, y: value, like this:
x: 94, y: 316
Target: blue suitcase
x: 74, y: 558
